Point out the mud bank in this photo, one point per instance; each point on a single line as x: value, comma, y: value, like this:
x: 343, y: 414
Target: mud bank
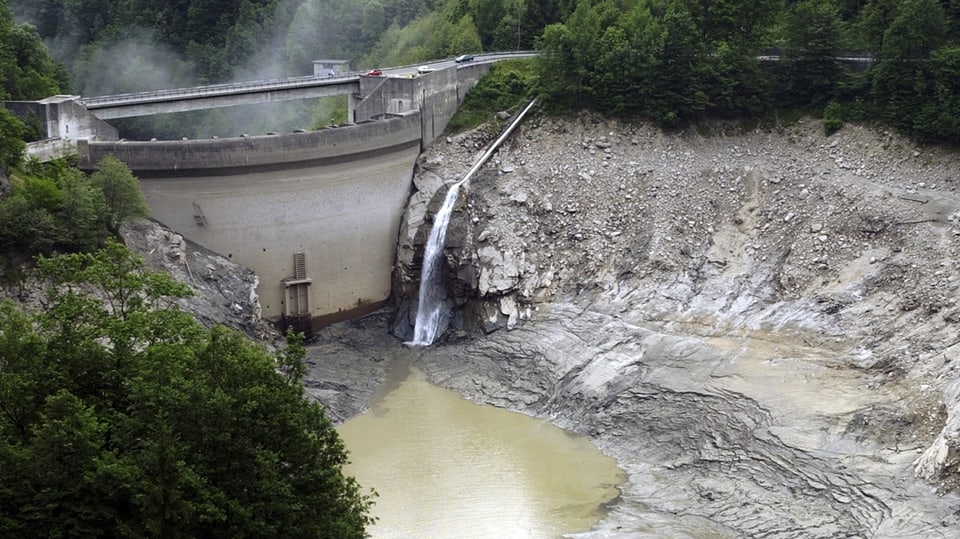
x: 761, y: 327
x: 719, y: 436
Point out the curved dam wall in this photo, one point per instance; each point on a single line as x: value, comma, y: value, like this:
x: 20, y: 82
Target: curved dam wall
x: 315, y: 214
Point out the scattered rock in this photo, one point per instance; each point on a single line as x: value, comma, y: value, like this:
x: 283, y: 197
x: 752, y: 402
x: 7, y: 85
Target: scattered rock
x: 706, y: 235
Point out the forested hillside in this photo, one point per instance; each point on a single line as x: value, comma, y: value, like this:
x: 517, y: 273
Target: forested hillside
x: 670, y: 60
x: 676, y: 60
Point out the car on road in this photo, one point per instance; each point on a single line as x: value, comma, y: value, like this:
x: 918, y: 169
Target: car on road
x: 425, y: 69
x: 374, y: 73
x: 463, y: 58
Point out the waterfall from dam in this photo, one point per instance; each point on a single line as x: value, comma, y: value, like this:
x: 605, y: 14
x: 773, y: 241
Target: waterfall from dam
x: 432, y: 293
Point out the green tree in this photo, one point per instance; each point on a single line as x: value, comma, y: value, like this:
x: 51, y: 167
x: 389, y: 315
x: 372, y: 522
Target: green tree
x: 83, y: 213
x: 24, y: 230
x: 374, y: 21
x: 812, y: 37
x: 874, y: 19
x: 12, y: 145
x: 739, y: 23
x: 568, y: 53
x: 52, y: 208
x: 832, y: 117
x: 465, y: 37
x: 735, y: 82
x: 121, y: 191
x: 123, y: 417
x: 939, y: 118
x: 554, y: 54
x: 902, y: 78
x: 486, y: 15
x: 26, y: 69
x: 679, y: 92
x: 620, y: 64
x: 537, y: 15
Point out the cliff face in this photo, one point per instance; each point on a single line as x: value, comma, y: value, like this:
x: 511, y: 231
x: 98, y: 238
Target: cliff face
x: 743, y: 319
x: 786, y: 216
x: 224, y: 291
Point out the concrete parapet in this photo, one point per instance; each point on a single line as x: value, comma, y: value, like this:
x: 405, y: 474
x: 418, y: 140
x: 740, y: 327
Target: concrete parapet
x: 228, y: 156
x: 469, y: 75
x: 51, y: 148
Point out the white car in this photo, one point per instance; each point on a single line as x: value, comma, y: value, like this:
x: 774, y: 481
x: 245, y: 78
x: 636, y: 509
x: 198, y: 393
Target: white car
x: 424, y: 69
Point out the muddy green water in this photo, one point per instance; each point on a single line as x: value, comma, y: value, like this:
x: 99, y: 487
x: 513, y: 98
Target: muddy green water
x: 445, y: 467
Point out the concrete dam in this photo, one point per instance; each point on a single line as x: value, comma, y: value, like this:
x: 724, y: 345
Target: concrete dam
x: 315, y: 214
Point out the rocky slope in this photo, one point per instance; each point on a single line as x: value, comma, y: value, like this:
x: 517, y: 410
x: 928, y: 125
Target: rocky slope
x: 223, y: 291
x: 762, y: 327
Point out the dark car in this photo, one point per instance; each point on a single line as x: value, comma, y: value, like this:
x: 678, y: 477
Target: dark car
x: 463, y: 58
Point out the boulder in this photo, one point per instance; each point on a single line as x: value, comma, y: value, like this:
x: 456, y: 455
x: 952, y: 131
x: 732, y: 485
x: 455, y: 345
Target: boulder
x: 225, y: 292
x: 499, y: 272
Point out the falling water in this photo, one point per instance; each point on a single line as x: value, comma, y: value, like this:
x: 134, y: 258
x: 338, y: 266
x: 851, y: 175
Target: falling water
x: 431, y: 285
x: 429, y: 311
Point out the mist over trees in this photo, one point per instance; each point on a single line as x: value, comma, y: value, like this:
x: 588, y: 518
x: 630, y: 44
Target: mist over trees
x: 670, y: 60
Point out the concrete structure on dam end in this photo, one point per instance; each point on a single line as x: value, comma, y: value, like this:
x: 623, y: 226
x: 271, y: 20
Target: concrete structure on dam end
x: 315, y: 214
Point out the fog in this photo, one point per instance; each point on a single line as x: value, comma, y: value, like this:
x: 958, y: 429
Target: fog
x: 136, y: 60
x: 132, y: 64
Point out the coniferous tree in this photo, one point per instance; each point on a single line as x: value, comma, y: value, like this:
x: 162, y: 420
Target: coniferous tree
x: 812, y: 44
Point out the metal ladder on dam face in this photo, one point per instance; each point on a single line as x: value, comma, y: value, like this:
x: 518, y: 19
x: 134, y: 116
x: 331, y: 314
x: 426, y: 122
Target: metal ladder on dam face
x: 296, y: 311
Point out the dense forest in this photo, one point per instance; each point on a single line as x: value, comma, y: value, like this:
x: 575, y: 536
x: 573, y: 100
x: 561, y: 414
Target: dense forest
x: 673, y: 61
x: 676, y: 61
x: 121, y: 416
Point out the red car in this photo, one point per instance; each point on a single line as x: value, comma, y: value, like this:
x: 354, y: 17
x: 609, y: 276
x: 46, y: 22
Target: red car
x: 375, y: 73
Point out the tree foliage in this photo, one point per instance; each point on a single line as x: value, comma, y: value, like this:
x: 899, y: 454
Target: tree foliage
x: 26, y: 69
x: 123, y: 417
x: 675, y: 61
x: 812, y: 37
x: 12, y: 146
x: 54, y: 207
x: 121, y: 191
x: 507, y: 87
x: 671, y: 60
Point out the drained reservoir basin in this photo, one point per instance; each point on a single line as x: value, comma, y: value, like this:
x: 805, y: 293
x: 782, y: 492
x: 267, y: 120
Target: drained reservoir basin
x: 445, y: 467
